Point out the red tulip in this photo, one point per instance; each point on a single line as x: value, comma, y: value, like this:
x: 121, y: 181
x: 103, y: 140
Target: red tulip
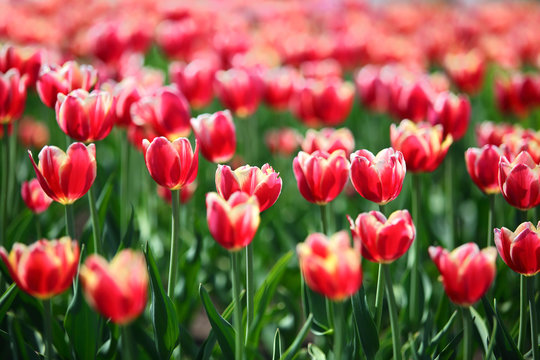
x: 12, y: 96
x: 279, y: 86
x: 492, y: 134
x: 452, y: 112
x: 216, y: 134
x: 321, y: 176
x: 373, y: 85
x: 466, y: 272
x: 26, y: 59
x: 520, y: 250
x: 239, y: 90
x: 483, y: 167
x: 413, y: 100
x: 282, y: 141
x: 66, y: 176
x: 329, y: 140
x: 508, y: 96
x: 117, y: 290
x: 383, y: 240
x: 33, y: 133
x: 466, y: 70
x: 264, y: 183
x: 86, y: 116
x: 378, y: 178
x: 422, y: 145
x: 522, y: 140
x: 34, y: 197
x: 234, y: 222
x: 195, y: 80
x: 44, y: 269
x: 321, y: 69
x: 171, y: 164
x: 519, y: 181
x: 127, y: 92
x: 166, y: 110
x: 330, y: 265
x: 71, y: 76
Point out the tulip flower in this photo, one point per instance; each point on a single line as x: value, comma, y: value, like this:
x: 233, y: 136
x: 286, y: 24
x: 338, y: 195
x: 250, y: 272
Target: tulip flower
x: 26, y: 59
x: 488, y: 133
x: 413, y: 101
x: 216, y: 135
x: 44, y: 269
x: 32, y: 133
x: 519, y: 181
x: 329, y: 140
x: 195, y: 80
x: 86, y: 116
x: 233, y: 222
x: 508, y: 96
x: 279, y: 86
x: 466, y: 272
x: 321, y: 176
x: 63, y: 80
x: 383, y: 240
x: 373, y: 85
x: 171, y: 164
x: 34, y: 197
x: 321, y: 69
x: 483, y: 167
x: 117, y: 290
x: 520, y: 250
x: 66, y: 176
x: 330, y: 266
x: 522, y: 140
x: 12, y: 96
x: 264, y: 183
x: 282, y: 141
x: 166, y: 110
x: 452, y: 112
x: 423, y: 146
x: 127, y: 92
x: 239, y: 90
x: 466, y: 70
x: 378, y: 178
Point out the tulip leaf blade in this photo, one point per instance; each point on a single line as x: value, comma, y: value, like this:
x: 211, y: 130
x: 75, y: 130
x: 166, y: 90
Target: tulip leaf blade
x: 223, y: 329
x: 505, y: 346
x: 276, y: 352
x: 481, y: 327
x: 365, y: 326
x: 449, y: 349
x: 7, y: 299
x: 295, y: 346
x: 164, y: 317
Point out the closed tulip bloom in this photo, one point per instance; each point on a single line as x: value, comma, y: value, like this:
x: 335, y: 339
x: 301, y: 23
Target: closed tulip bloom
x: 238, y: 90
x: 12, y: 96
x: 519, y: 181
x: 520, y: 250
x: 282, y: 141
x: 117, y: 290
x: 166, y: 110
x: 86, y: 116
x: 378, y: 178
x: 32, y: 133
x: 491, y: 133
x: 279, y: 86
x: 413, y: 101
x: 522, y: 140
x: 195, y: 80
x: 66, y: 176
x: 321, y: 176
x: 329, y: 140
x: 453, y: 112
x: 466, y: 272
x: 330, y: 266
x: 483, y: 167
x: 383, y: 240
x: 26, y: 59
x: 423, y: 145
x: 64, y: 79
x: 44, y: 269
x: 264, y: 183
x: 466, y: 70
x: 171, y: 164
x: 34, y: 197
x: 127, y: 92
x: 233, y: 222
x: 216, y: 135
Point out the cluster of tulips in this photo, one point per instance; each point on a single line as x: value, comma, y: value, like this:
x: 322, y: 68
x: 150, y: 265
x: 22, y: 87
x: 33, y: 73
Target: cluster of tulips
x: 125, y: 93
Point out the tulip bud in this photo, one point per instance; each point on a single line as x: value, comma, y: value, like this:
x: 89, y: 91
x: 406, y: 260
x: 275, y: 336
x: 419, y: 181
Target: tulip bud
x: 26, y: 59
x: 452, y: 112
x: 413, y: 101
x: 171, y: 164
x: 488, y: 133
x: 216, y: 134
x: 117, y: 290
x: 519, y: 181
x: 520, y: 250
x: 466, y: 272
x: 522, y: 140
x: 44, y: 269
x: 321, y: 176
x: 330, y: 266
x: 33, y: 133
x: 378, y: 178
x: 127, y: 92
x: 508, y: 96
x: 34, y: 197
x: 329, y: 140
x: 12, y: 96
x: 422, y: 145
x: 282, y: 141
x: 66, y: 176
x: 483, y: 167
x: 234, y: 222
x: 195, y: 80
x: 279, y: 86
x: 238, y: 90
x: 466, y: 70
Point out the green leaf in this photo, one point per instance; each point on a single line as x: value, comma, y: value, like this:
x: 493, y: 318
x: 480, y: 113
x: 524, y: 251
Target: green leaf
x: 127, y: 239
x: 481, y: 327
x: 505, y: 346
x: 224, y: 332
x: 17, y: 340
x: 367, y: 331
x: 315, y: 353
x: 104, y: 197
x: 449, y: 349
x: 164, y: 317
x: 110, y: 348
x: 144, y: 341
x: 17, y: 227
x: 59, y: 340
x: 276, y: 353
x: 297, y: 343
x: 7, y: 299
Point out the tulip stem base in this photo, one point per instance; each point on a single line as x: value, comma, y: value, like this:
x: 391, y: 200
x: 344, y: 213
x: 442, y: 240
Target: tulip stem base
x: 379, y: 297
x: 95, y: 221
x: 250, y: 288
x: 534, y: 318
x: 235, y: 277
x: 70, y: 226
x: 47, y: 327
x: 127, y: 349
x: 324, y: 219
x: 338, y: 329
x: 522, y: 313
x: 175, y: 243
x: 392, y: 307
x: 467, y: 333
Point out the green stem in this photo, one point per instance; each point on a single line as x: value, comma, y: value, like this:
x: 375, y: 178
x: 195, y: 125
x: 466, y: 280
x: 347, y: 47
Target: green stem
x: 235, y: 276
x: 490, y: 219
x: 534, y: 319
x: 38, y: 226
x: 250, y: 288
x: 379, y: 296
x: 396, y: 341
x: 95, y: 221
x: 124, y: 170
x: 4, y: 183
x: 338, y: 329
x: 467, y: 333
x: 127, y: 346
x: 70, y: 227
x: 11, y: 175
x: 522, y: 313
x: 414, y: 257
x: 47, y: 327
x: 449, y: 200
x: 175, y: 243
x: 324, y: 219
